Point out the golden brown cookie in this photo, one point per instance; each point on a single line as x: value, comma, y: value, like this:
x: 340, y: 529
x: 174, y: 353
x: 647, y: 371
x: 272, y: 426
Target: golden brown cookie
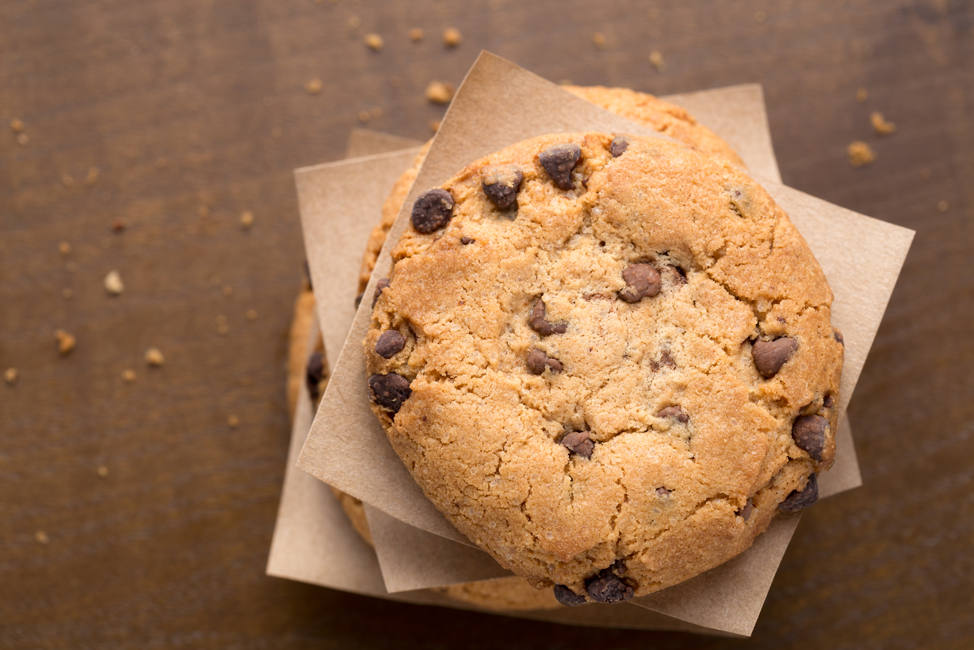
x: 641, y: 108
x: 614, y: 380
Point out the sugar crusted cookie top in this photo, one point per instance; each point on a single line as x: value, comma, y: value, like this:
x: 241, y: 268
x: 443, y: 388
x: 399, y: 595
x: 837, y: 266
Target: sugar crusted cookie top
x: 613, y: 380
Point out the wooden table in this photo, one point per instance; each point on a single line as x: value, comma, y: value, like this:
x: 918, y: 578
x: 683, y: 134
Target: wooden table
x: 133, y: 515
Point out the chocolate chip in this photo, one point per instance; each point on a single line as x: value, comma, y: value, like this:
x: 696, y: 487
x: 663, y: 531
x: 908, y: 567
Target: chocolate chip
x: 314, y: 372
x: 674, y: 412
x: 501, y: 183
x: 567, y: 597
x: 618, y: 146
x: 663, y: 492
x: 466, y: 240
x: 390, y: 344
x: 536, y: 361
x: 607, y: 587
x: 838, y: 337
x: 666, y: 359
x: 389, y: 391
x: 579, y: 443
x: 432, y: 210
x: 380, y: 286
x: 769, y: 356
x: 538, y: 323
x: 745, y: 512
x: 554, y: 364
x: 809, y: 434
x: 677, y: 275
x: 559, y: 161
x: 828, y: 402
x: 799, y: 500
x: 642, y: 280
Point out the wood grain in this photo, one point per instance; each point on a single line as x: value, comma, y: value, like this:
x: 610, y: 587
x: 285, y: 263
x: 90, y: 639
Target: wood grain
x: 195, y: 112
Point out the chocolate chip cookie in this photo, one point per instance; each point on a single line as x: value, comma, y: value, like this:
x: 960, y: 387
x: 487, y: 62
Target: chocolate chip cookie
x: 612, y: 381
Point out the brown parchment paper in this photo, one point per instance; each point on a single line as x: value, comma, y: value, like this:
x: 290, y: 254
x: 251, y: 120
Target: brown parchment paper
x: 314, y: 542
x: 499, y: 73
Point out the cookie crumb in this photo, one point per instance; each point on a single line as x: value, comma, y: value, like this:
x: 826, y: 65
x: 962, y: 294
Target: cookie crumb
x: 222, y: 329
x: 102, y: 471
x: 860, y: 154
x: 246, y: 220
x: 227, y: 291
x: 161, y: 162
x: 10, y: 376
x: 67, y: 293
x: 598, y: 40
x: 67, y: 180
x: 313, y: 86
x: 154, y: 357
x: 862, y: 95
x: 118, y: 226
x: 17, y: 126
x: 439, y: 92
x: 251, y: 314
x: 203, y: 211
x: 64, y: 248
x: 113, y: 283
x: 65, y: 342
x: 364, y: 116
x: 374, y: 42
x: 880, y: 125
x: 452, y: 37
x: 92, y: 176
x: 434, y: 125
x: 416, y: 35
x: 759, y: 17
x: 233, y: 421
x: 354, y: 22
x: 41, y: 537
x: 23, y: 139
x: 943, y: 206
x: 656, y: 60
x: 128, y: 376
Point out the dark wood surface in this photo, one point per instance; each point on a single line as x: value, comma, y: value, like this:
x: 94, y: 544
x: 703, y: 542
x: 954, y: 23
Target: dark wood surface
x: 194, y: 112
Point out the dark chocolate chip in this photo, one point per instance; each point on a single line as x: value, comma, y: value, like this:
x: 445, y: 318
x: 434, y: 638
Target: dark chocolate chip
x: 618, y: 146
x: 314, y: 372
x: 380, y: 286
x: 809, y: 434
x: 501, y: 183
x: 666, y: 359
x: 579, y: 443
x: 567, y: 597
x: 535, y: 361
x: 828, y: 402
x: 554, y: 364
x: 559, y: 161
x: 466, y: 240
x: 432, y: 210
x: 607, y: 587
x: 674, y: 412
x: 799, y: 500
x: 677, y: 275
x: 618, y: 567
x: 745, y: 512
x: 663, y: 492
x: 838, y: 337
x: 389, y: 391
x: 642, y: 281
x: 769, y: 356
x: 390, y: 344
x: 538, y: 323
